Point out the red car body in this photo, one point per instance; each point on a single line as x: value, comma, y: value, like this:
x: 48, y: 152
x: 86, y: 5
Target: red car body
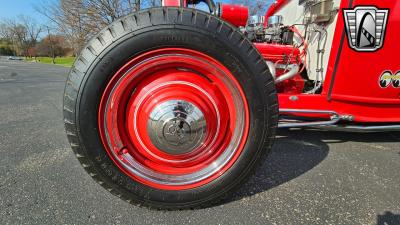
x: 351, y: 85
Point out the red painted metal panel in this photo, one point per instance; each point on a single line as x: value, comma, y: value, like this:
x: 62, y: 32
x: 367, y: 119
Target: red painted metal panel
x: 277, y: 52
x: 358, y: 73
x: 362, y: 112
x: 235, y: 14
x: 351, y: 86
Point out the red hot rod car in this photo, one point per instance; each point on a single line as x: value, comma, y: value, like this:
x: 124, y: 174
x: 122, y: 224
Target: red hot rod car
x: 174, y: 108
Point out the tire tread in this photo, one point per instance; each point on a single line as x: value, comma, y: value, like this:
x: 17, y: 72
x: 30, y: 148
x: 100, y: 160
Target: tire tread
x: 120, y: 29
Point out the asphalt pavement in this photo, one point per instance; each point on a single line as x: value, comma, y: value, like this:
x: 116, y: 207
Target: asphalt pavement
x: 311, y: 177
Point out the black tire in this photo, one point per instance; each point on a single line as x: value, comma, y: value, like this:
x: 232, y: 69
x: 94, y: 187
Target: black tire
x: 151, y: 29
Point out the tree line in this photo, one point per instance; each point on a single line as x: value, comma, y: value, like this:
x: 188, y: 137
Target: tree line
x: 72, y: 24
x: 18, y: 36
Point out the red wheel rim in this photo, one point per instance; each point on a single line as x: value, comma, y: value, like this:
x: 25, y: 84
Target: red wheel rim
x: 173, y: 119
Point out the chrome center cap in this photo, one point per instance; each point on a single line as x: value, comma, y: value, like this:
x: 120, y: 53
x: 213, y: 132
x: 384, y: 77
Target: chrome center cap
x: 176, y: 127
x: 176, y: 131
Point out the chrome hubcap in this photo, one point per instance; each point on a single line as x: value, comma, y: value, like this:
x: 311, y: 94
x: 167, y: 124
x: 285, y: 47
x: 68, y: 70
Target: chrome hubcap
x: 176, y: 127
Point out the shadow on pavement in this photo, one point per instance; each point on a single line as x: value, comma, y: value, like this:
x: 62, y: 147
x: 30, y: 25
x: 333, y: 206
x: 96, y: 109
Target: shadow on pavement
x: 388, y: 219
x: 297, y: 151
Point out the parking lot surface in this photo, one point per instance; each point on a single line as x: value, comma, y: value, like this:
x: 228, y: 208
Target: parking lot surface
x: 311, y: 177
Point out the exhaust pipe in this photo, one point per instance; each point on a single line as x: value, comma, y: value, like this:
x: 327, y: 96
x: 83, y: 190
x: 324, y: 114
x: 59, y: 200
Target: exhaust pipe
x: 272, y: 69
x: 293, y: 70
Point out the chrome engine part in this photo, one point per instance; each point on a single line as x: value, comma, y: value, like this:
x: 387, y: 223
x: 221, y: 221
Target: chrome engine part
x: 255, y: 28
x: 275, y: 32
x: 308, y: 34
x: 275, y: 21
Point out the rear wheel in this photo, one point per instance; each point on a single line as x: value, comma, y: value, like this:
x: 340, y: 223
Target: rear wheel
x: 170, y: 108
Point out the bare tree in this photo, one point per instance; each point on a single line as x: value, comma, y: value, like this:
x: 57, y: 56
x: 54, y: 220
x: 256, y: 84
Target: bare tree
x: 51, y: 46
x: 69, y: 18
x: 4, y: 32
x: 33, y: 31
x: 79, y: 20
x: 22, y: 33
x: 6, y: 35
x: 110, y: 10
x: 15, y: 33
